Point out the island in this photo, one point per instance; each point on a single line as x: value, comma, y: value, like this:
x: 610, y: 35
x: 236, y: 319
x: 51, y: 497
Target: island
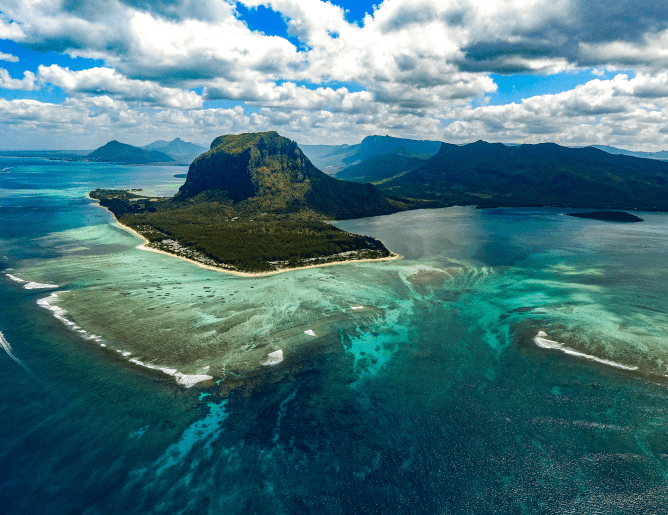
x: 121, y: 153
x: 254, y: 204
x: 608, y: 216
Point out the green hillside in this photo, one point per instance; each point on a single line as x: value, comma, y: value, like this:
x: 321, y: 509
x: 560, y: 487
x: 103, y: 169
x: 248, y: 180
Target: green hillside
x: 116, y: 152
x: 339, y: 157
x: 383, y: 167
x: 535, y: 175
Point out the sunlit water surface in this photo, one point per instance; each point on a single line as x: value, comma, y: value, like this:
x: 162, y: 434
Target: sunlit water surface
x: 514, y: 361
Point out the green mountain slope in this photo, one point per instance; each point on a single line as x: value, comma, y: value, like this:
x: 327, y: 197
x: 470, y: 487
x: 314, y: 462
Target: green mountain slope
x: 536, y: 175
x: 267, y: 172
x: 342, y: 156
x: 383, y: 167
x: 115, y: 152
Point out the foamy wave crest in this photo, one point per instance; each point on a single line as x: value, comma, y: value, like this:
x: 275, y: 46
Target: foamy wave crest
x: 29, y: 285
x: 274, y: 358
x: 59, y: 313
x: 49, y: 303
x: 544, y: 343
x: 8, y: 349
x: 186, y: 380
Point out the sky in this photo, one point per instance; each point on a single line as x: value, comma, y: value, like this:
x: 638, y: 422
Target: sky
x: 75, y: 74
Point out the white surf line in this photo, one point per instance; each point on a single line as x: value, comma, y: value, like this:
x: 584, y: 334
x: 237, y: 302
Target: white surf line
x: 186, y: 380
x: 8, y: 349
x: 29, y: 285
x: 59, y: 313
x: 544, y: 343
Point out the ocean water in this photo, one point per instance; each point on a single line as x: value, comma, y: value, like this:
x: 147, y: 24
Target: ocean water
x: 513, y: 361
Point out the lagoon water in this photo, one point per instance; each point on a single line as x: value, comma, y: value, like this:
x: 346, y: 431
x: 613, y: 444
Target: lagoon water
x: 514, y: 361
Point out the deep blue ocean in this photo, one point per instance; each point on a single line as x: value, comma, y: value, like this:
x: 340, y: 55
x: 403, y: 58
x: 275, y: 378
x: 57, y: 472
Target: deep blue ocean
x: 514, y: 361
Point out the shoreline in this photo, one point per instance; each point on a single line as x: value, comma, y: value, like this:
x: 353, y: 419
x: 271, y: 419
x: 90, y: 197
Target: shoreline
x: 391, y: 257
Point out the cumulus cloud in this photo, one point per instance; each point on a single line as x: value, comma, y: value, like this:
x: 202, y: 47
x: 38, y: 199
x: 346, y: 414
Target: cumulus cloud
x: 9, y: 58
x: 107, y: 81
x: 27, y: 83
x: 88, y: 122
x: 629, y: 112
x: 412, y: 68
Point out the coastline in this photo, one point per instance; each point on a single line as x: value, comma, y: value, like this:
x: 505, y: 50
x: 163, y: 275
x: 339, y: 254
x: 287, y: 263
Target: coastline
x: 143, y: 246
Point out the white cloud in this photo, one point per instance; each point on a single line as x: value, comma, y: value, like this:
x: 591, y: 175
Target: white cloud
x: 107, y: 81
x: 10, y: 29
x: 9, y: 58
x: 89, y: 122
x: 409, y: 69
x: 620, y: 111
x: 27, y: 83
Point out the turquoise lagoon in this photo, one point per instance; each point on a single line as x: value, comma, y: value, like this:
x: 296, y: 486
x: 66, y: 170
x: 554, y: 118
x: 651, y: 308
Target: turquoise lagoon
x: 513, y: 361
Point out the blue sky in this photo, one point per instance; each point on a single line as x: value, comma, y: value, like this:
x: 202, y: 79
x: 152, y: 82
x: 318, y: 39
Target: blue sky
x: 76, y: 74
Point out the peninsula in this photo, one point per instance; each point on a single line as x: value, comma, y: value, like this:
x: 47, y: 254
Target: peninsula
x: 254, y: 204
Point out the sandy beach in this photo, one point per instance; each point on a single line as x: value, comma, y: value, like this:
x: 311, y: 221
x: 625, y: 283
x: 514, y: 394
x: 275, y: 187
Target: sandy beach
x: 144, y: 246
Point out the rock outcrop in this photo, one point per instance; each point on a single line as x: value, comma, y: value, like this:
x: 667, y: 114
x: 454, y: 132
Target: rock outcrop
x: 269, y: 172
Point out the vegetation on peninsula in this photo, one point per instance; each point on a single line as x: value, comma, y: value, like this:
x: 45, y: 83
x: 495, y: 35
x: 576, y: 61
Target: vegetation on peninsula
x: 255, y: 203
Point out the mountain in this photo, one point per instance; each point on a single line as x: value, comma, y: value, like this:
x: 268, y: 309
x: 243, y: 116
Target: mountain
x: 176, y: 147
x: 661, y: 155
x: 267, y: 172
x: 115, y: 152
x: 535, y: 175
x: 342, y: 156
x: 314, y: 152
x: 182, y: 152
x: 255, y: 203
x: 156, y: 145
x: 383, y: 167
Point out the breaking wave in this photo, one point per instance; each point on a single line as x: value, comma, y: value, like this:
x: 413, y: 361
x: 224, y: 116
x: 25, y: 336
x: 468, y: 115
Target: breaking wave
x: 186, y: 380
x: 29, y: 285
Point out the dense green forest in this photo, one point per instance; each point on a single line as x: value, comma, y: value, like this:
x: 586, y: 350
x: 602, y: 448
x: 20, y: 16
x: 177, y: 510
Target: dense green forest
x: 216, y: 233
x: 546, y: 174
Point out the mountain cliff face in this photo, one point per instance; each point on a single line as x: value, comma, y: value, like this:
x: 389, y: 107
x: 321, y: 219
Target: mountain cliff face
x: 269, y: 172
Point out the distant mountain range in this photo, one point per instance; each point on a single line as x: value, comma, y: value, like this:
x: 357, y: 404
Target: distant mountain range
x: 334, y: 158
x: 381, y: 167
x: 158, y: 152
x: 255, y: 202
x: 493, y: 174
x: 116, y: 152
x: 179, y: 150
x: 662, y: 155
